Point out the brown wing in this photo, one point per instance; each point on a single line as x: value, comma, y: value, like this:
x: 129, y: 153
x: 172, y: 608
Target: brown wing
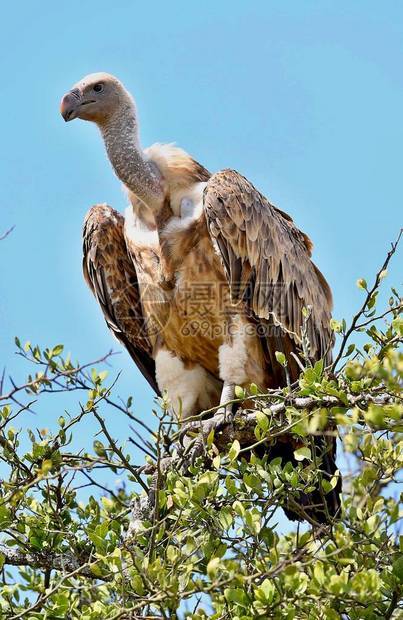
x: 268, y: 266
x: 267, y: 263
x: 110, y: 274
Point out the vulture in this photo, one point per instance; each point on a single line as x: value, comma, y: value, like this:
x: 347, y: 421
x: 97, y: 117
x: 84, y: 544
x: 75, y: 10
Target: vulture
x: 202, y: 279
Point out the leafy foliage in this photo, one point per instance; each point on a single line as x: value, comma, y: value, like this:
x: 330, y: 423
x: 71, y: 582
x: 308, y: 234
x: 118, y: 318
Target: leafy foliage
x: 211, y: 546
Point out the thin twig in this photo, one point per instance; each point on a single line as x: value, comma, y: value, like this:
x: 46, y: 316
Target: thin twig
x: 4, y: 235
x: 361, y: 311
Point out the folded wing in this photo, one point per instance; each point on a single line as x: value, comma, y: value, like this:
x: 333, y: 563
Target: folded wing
x: 110, y: 274
x: 267, y: 262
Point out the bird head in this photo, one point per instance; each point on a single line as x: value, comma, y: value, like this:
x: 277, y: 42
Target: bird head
x: 95, y: 98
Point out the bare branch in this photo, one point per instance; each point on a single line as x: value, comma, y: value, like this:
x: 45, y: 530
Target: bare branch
x: 65, y: 562
x: 361, y: 311
x: 4, y: 235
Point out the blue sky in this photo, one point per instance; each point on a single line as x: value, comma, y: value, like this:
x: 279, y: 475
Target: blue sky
x: 304, y: 98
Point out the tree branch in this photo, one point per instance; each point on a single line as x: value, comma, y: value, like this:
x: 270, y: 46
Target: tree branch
x: 370, y: 292
x: 4, y: 235
x: 65, y: 562
x: 241, y: 428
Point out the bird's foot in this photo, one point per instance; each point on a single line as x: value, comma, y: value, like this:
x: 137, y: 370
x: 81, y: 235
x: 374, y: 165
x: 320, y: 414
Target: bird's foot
x: 186, y: 439
x: 188, y: 427
x: 199, y: 444
x: 224, y: 415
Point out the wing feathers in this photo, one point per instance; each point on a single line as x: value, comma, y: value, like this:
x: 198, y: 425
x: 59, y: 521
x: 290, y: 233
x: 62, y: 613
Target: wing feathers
x: 264, y: 251
x: 110, y: 274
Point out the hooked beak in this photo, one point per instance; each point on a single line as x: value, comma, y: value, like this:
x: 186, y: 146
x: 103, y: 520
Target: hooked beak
x: 69, y: 104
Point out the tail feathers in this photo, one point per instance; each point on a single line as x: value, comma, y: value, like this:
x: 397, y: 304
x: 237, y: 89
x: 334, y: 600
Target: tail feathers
x: 316, y: 506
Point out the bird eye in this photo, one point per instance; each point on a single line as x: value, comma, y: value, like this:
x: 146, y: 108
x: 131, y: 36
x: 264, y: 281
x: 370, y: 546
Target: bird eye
x: 98, y: 87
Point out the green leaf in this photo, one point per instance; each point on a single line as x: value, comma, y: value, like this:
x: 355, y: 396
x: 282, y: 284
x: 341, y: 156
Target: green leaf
x: 318, y: 368
x: 262, y: 420
x: 236, y: 595
x: 266, y: 591
x: 254, y: 390
x: 280, y: 357
x: 5, y: 516
x: 351, y: 348
x: 225, y: 517
x: 99, y: 448
x: 239, y: 508
x: 217, y: 461
x: 336, y: 326
x: 210, y: 438
x: 234, y: 450
x: 107, y: 503
x: 319, y: 573
x: 252, y: 481
x: 302, y: 453
x: 212, y: 567
x: 397, y: 568
x: 239, y: 392
x: 137, y: 585
x: 398, y: 325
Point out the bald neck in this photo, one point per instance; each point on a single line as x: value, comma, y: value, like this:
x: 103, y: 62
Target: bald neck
x: 121, y: 136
